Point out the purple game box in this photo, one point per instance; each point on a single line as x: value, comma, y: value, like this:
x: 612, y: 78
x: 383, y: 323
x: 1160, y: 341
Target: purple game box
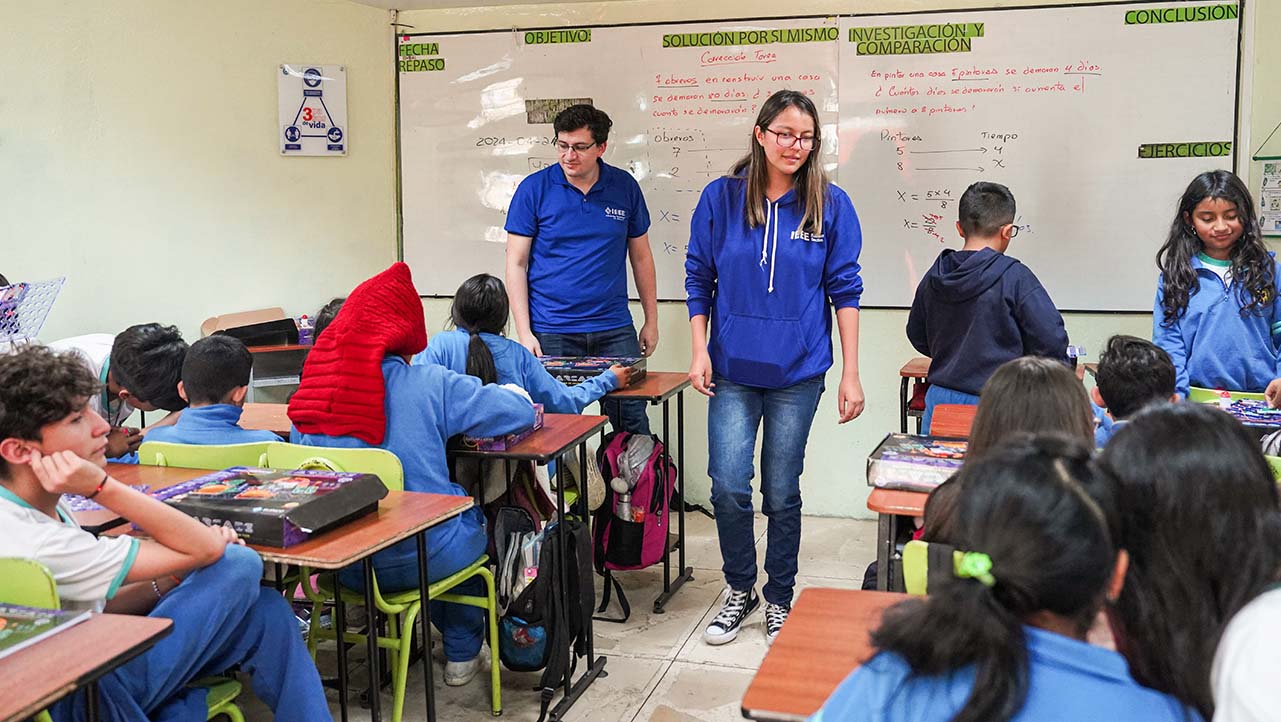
x: 507, y: 441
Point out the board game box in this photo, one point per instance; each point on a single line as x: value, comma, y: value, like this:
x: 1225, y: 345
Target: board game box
x: 276, y: 508
x: 1253, y: 413
x: 24, y: 626
x: 914, y: 463
x: 506, y: 441
x: 574, y: 370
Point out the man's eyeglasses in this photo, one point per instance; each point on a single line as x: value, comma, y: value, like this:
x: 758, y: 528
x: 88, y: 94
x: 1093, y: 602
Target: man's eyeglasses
x: 787, y: 140
x: 562, y: 147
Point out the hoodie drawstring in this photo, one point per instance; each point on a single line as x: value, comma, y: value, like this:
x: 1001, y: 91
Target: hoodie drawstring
x: 770, y: 214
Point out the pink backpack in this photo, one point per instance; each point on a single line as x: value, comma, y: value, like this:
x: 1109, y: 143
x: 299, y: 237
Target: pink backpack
x: 629, y: 530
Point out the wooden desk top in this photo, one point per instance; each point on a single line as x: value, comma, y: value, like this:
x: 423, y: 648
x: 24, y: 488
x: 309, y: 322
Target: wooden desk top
x: 560, y: 433
x: 267, y: 417
x: 917, y: 368
x: 285, y: 347
x: 400, y: 515
x: 657, y: 386
x: 36, y: 677
x: 897, y: 501
x: 825, y: 638
x: 953, y: 420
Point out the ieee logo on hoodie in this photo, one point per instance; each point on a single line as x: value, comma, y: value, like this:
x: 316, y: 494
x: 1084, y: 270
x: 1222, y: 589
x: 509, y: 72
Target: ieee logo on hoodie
x: 618, y: 214
x: 799, y: 235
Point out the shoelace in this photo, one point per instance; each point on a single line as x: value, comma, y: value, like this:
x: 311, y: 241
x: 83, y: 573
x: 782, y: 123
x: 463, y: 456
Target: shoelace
x: 775, y: 615
x: 733, y: 608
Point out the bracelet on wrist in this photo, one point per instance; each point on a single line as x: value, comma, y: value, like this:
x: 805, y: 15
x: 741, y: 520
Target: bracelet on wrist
x: 105, y: 478
x: 156, y: 588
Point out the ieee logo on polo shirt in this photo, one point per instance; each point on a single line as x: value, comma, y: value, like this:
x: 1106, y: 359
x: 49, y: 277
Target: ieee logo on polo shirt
x: 618, y: 214
x: 807, y: 236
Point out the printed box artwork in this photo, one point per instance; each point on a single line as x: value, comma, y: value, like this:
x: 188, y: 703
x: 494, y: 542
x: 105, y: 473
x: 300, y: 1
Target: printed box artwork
x: 916, y: 463
x: 507, y: 441
x: 24, y: 626
x: 276, y: 508
x: 574, y: 370
x: 1251, y: 412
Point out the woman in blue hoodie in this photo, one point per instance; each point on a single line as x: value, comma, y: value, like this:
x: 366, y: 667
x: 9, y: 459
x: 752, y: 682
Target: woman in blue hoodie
x: 1216, y: 312
x: 769, y: 300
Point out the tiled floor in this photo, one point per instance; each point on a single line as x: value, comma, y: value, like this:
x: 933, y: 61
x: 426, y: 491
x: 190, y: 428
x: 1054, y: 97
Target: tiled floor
x: 658, y: 668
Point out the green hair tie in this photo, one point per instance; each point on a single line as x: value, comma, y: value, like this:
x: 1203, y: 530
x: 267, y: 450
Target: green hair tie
x: 973, y: 565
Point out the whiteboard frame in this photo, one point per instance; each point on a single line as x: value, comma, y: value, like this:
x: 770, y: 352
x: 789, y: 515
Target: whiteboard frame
x: 1243, y: 19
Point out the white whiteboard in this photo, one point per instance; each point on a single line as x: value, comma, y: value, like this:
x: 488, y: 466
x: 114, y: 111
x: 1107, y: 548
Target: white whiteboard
x: 1092, y: 213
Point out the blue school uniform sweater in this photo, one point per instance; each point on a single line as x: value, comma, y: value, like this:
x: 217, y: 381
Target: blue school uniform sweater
x: 1068, y: 681
x: 1212, y: 345
x: 209, y: 425
x: 425, y: 405
x: 975, y: 310
x: 769, y: 291
x: 516, y: 365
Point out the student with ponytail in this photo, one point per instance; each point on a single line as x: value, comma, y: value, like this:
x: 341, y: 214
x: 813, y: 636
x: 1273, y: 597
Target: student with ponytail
x: 1002, y: 638
x: 478, y: 347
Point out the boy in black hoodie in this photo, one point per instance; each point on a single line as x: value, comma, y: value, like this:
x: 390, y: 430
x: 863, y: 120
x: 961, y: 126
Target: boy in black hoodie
x: 977, y: 308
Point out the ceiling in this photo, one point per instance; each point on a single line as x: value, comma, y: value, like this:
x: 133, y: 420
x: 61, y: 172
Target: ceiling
x: 440, y: 4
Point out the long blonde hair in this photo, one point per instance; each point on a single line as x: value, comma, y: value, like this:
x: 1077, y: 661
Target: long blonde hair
x: 810, y: 180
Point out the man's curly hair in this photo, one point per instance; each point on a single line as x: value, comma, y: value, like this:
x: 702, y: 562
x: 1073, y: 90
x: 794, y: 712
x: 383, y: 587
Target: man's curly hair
x: 39, y: 386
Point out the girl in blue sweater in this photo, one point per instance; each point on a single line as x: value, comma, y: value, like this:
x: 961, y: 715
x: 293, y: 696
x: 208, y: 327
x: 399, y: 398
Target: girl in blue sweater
x: 477, y: 347
x: 1216, y: 312
x: 1003, y: 637
x: 773, y: 247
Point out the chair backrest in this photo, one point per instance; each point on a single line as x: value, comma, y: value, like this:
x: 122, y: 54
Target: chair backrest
x: 194, y: 456
x: 27, y: 583
x: 1274, y: 462
x: 924, y: 563
x: 952, y: 420
x: 1202, y: 395
x: 385, y: 464
x: 916, y: 567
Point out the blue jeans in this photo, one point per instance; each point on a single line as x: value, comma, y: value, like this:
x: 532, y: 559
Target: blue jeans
x: 936, y: 395
x: 221, y: 617
x: 462, y: 627
x: 734, y: 414
x: 622, y: 341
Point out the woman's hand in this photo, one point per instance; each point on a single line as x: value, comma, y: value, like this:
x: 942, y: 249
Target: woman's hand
x: 700, y: 372
x: 849, y: 399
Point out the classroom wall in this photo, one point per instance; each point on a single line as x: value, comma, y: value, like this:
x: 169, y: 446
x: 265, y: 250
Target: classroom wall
x: 138, y: 157
x: 834, y: 483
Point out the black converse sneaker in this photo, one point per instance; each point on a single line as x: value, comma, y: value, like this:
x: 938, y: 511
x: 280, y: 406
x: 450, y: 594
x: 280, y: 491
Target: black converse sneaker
x: 775, y: 615
x: 737, y: 605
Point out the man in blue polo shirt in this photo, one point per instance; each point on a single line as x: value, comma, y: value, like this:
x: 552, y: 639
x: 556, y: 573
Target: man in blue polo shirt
x: 571, y: 228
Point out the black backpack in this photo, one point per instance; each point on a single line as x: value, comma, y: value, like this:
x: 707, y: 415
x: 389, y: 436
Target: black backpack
x: 546, y: 622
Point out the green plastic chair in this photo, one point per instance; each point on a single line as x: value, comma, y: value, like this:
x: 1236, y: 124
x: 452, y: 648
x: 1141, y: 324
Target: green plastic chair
x: 924, y: 563
x: 1201, y: 395
x: 27, y: 583
x: 195, y: 456
x: 401, y: 608
x: 1275, y: 463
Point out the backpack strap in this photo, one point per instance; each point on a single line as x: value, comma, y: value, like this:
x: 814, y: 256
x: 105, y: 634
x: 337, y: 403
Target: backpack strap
x: 558, y: 614
x: 612, y: 584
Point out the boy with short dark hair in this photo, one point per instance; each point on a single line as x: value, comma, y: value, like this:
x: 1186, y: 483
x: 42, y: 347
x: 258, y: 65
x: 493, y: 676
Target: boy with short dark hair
x: 978, y: 308
x: 326, y: 316
x: 1133, y: 373
x: 215, y: 381
x: 138, y: 368
x: 53, y: 443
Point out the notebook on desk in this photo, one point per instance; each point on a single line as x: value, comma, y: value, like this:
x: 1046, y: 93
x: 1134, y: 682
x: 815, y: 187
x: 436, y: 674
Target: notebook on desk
x: 21, y: 627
